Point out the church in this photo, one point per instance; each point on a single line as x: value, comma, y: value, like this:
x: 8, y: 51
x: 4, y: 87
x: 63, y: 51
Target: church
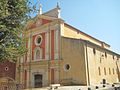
x: 59, y: 53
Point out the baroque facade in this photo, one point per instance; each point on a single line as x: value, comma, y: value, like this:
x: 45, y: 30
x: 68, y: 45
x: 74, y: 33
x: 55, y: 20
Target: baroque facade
x: 60, y: 53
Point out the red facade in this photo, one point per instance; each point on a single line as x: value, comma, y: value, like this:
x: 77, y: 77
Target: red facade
x: 42, y: 21
x: 41, y: 46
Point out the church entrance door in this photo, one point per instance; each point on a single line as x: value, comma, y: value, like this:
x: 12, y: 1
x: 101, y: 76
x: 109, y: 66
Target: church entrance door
x: 38, y: 80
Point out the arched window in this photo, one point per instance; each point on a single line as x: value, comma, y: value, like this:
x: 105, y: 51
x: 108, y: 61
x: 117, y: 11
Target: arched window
x: 37, y: 53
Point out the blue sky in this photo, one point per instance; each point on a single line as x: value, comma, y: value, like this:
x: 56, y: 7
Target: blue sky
x: 98, y: 18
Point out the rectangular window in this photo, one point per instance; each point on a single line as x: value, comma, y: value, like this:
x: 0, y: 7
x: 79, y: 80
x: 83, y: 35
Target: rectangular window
x: 105, y: 54
x: 104, y: 71
x: 113, y: 57
x: 99, y: 71
x: 109, y: 71
x: 94, y: 51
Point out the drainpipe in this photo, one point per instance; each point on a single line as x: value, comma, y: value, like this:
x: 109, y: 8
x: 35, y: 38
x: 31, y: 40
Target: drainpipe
x: 87, y: 64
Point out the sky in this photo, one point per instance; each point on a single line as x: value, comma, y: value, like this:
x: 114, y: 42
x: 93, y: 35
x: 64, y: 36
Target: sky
x: 98, y: 18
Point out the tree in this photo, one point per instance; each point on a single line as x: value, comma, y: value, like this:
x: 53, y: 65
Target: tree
x: 13, y: 16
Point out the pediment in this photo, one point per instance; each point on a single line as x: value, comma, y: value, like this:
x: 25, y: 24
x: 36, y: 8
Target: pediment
x: 38, y: 21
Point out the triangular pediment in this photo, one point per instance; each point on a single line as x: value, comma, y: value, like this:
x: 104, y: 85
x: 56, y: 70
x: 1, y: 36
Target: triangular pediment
x: 39, y: 21
x: 44, y: 18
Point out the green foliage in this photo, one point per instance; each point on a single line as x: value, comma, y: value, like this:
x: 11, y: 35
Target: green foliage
x: 13, y: 16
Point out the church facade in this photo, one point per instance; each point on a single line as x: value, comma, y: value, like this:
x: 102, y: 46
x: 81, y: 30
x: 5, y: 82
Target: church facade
x: 58, y: 53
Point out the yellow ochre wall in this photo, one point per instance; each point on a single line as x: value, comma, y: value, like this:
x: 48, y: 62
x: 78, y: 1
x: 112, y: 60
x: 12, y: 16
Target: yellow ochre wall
x: 84, y: 63
x: 71, y: 32
x: 101, y: 59
x: 73, y: 54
